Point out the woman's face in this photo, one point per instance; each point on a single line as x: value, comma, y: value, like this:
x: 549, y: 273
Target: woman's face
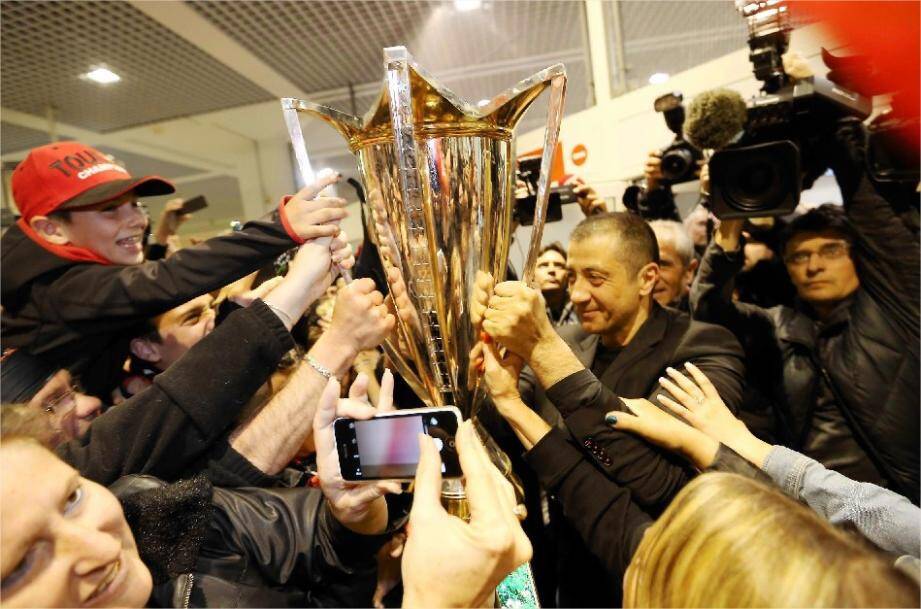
x: 64, y: 541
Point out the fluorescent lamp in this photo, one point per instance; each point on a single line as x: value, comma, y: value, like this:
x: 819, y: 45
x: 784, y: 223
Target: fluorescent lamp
x: 658, y: 78
x: 103, y: 76
x: 467, y: 5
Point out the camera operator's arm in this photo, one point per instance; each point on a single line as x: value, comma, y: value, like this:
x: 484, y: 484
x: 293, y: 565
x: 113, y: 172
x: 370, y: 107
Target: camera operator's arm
x: 711, y: 292
x: 659, y: 201
x: 589, y: 201
x: 889, y: 252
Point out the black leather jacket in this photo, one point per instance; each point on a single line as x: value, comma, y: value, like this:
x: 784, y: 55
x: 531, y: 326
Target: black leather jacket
x: 255, y: 547
x: 867, y: 354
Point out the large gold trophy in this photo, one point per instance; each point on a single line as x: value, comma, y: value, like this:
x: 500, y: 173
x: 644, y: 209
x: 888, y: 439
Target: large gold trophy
x: 439, y: 173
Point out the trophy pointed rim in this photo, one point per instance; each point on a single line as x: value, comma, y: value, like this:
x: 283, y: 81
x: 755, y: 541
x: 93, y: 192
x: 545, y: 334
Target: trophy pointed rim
x: 353, y: 128
x: 464, y: 106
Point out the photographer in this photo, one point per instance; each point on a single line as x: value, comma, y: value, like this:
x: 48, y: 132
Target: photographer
x: 841, y: 365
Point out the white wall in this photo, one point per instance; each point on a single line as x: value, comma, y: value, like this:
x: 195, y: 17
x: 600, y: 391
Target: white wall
x: 620, y: 132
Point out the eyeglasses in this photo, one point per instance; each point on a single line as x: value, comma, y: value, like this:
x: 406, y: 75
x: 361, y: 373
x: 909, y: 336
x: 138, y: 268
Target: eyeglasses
x: 62, y: 403
x: 829, y: 251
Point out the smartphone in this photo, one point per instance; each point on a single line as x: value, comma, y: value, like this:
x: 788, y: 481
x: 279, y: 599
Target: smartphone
x: 194, y: 204
x: 386, y: 447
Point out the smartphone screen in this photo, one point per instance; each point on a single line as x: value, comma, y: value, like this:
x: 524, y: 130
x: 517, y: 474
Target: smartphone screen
x: 387, y: 447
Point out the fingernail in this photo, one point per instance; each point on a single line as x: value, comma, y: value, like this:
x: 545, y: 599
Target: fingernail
x: 662, y: 379
x: 670, y: 369
x: 610, y: 418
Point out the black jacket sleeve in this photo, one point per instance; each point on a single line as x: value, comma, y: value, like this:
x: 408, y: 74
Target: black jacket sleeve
x: 611, y: 525
x: 290, y: 536
x: 104, y: 297
x: 166, y: 427
x: 653, y: 476
x: 888, y: 258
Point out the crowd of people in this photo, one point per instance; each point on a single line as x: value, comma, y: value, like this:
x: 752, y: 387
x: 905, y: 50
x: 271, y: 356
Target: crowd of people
x: 700, y: 412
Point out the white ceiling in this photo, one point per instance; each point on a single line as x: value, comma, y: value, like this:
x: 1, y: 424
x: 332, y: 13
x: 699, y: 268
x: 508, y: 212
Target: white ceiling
x: 201, y: 79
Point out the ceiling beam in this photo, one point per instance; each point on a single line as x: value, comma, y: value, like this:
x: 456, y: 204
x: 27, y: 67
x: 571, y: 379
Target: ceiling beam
x: 184, y: 21
x: 123, y: 140
x: 598, y: 50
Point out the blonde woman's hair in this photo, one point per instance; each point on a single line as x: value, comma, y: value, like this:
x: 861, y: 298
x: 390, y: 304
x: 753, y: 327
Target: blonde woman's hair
x: 730, y: 541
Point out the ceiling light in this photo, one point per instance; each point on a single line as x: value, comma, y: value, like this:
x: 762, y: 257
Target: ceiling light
x: 467, y: 5
x: 103, y: 76
x: 483, y: 102
x: 658, y: 78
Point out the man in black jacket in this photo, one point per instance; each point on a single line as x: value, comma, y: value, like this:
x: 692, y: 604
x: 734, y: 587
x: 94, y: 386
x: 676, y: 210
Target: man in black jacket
x: 841, y: 366
x: 73, y: 273
x: 627, y: 341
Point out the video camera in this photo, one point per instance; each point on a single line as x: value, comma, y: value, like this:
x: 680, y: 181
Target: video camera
x: 679, y: 160
x: 788, y: 127
x: 529, y: 172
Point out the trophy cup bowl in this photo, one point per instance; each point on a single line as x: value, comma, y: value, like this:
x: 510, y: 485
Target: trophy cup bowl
x: 439, y: 174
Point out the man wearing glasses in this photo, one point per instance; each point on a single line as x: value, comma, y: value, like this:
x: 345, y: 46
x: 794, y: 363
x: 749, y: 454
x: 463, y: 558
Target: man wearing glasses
x: 29, y: 379
x: 840, y: 367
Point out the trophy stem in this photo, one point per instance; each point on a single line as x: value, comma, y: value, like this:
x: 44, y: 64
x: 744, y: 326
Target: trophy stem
x: 454, y: 499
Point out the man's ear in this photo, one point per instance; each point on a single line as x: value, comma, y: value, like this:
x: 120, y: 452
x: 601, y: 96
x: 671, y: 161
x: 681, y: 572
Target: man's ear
x: 49, y: 230
x: 691, y: 271
x: 146, y: 350
x: 647, y: 277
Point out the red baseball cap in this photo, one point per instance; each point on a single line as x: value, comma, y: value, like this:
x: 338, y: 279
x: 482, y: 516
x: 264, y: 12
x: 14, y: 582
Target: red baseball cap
x: 71, y: 175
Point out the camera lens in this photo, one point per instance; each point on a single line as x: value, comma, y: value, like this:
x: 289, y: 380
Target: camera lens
x: 756, y: 184
x: 756, y: 180
x: 676, y: 163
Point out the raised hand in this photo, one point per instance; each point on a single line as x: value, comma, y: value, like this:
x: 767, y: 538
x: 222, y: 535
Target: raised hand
x: 500, y: 373
x: 361, y: 320
x: 660, y: 428
x: 697, y: 401
x: 310, y: 272
x: 451, y: 563
x: 359, y: 506
x: 312, y: 216
x: 589, y: 201
x: 517, y: 318
x: 653, y: 169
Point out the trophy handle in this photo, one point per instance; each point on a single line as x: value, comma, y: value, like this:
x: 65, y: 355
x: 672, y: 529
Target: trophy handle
x: 551, y: 136
x: 345, y: 124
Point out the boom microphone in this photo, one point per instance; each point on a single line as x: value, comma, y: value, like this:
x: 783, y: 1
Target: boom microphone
x: 715, y: 118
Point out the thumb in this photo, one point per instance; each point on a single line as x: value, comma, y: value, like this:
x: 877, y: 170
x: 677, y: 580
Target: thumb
x: 427, y: 488
x: 624, y: 421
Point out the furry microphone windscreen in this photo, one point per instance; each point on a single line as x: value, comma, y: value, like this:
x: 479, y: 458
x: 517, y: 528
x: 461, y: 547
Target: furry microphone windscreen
x: 715, y: 117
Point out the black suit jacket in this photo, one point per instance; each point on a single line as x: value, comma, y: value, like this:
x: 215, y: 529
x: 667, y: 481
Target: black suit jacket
x: 669, y: 338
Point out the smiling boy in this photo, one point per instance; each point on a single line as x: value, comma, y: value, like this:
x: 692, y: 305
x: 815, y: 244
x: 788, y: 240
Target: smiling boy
x: 74, y: 275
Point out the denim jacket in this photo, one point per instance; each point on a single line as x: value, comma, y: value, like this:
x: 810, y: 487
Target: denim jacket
x: 886, y: 518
